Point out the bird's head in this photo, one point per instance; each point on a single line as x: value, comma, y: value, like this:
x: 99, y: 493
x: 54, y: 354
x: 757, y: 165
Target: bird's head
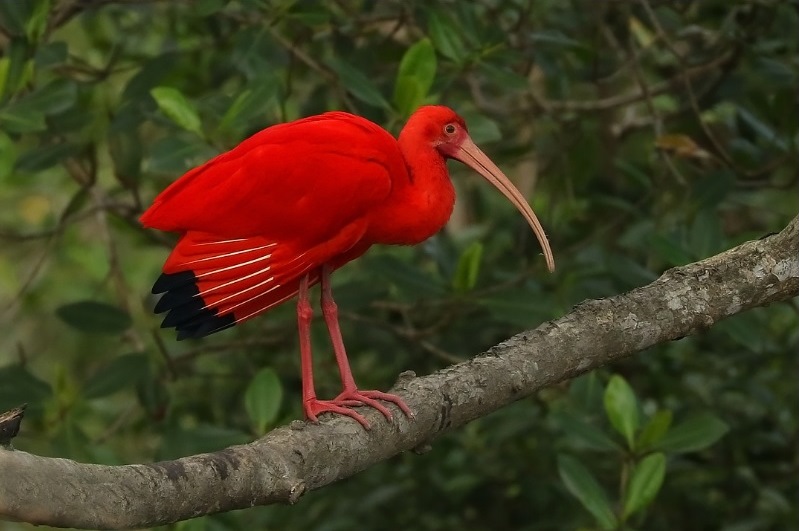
x: 443, y: 129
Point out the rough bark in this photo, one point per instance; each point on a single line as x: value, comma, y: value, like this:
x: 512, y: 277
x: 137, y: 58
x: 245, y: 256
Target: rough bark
x: 292, y: 460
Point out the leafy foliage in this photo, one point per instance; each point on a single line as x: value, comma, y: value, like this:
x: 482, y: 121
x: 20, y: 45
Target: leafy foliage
x: 262, y: 399
x: 642, y: 469
x: 94, y: 317
x: 646, y: 133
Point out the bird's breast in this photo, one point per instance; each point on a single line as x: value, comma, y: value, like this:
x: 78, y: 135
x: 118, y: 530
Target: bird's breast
x: 412, y: 213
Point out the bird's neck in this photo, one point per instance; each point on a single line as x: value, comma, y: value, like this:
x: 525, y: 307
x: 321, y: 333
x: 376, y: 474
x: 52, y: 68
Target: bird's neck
x: 421, y: 202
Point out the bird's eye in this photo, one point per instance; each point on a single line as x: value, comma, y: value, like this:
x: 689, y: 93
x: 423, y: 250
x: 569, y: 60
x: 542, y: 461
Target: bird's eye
x: 450, y: 129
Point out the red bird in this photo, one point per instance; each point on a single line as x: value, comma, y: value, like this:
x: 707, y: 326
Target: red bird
x: 288, y: 206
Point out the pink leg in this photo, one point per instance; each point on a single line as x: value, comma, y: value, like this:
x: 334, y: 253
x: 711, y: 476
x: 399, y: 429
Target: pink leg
x: 304, y: 316
x: 350, y: 395
x: 312, y: 406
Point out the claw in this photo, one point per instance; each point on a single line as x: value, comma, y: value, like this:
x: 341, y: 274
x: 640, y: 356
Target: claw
x: 348, y: 399
x: 314, y: 408
x: 363, y: 398
x: 388, y: 397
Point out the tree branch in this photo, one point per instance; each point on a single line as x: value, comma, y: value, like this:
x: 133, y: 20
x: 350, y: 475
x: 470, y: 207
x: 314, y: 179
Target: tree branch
x: 611, y: 102
x: 291, y: 460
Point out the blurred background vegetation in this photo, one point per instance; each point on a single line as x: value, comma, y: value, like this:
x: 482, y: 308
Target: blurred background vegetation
x: 646, y: 133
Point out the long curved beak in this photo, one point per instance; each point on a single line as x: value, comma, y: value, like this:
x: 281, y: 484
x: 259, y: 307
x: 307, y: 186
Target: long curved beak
x: 473, y: 156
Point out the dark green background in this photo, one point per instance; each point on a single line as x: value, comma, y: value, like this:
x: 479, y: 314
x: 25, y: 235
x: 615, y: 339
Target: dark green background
x: 701, y: 156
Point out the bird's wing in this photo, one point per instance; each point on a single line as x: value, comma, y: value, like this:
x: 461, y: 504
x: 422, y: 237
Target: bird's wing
x: 296, y: 181
x: 256, y: 219
x: 210, y: 283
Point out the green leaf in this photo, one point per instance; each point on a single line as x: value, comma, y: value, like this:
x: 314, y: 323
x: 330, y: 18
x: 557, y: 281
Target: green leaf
x: 654, y: 429
x: 251, y: 104
x: 468, y: 268
x: 445, y: 36
x: 262, y: 399
x: 122, y: 372
x: 521, y: 305
x: 151, y: 73
x: 74, y: 124
x: 45, y: 156
x: 504, y: 76
x: 53, y: 98
x: 621, y: 407
x: 555, y: 37
x: 706, y: 235
x: 94, y: 317
x: 358, y: 84
x: 481, y: 129
x: 586, y: 392
x: 27, y: 113
x: 763, y: 129
x: 712, y: 189
x: 576, y: 429
x: 195, y: 524
x: 695, y: 433
x: 37, y: 22
x: 581, y: 483
x: 236, y: 109
x: 153, y: 395
x: 665, y: 103
x: 417, y: 71
x: 179, y: 441
x: 176, y: 154
x: 669, y: 250
x: 177, y: 108
x: 745, y: 329
x: 21, y: 120
x: 410, y: 280
x: 13, y: 14
x: 312, y: 14
x: 204, y: 8
x: 644, y: 483
x: 15, y: 69
x: 18, y: 386
x: 126, y: 154
x: 5, y: 64
x: 51, y: 54
x: 8, y: 156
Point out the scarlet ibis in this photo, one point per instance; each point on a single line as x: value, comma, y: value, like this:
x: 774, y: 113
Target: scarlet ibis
x: 281, y: 211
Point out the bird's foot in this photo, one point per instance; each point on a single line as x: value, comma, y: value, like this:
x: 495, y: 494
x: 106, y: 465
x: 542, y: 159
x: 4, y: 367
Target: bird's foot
x: 314, y: 408
x: 356, y: 397
x: 348, y: 399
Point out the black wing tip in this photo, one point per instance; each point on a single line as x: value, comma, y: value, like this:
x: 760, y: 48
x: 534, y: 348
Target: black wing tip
x: 188, y: 314
x: 205, y: 327
x: 170, y: 281
x: 183, y: 313
x: 187, y: 295
x: 198, y: 323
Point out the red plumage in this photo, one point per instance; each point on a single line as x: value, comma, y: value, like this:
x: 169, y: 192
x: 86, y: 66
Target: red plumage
x: 280, y: 204
x: 286, y: 207
x: 335, y: 163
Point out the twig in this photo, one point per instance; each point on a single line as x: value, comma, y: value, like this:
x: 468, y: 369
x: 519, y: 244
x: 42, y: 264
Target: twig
x: 631, y: 97
x: 164, y: 352
x: 230, y: 346
x: 689, y: 89
x: 405, y: 333
x: 115, y: 426
x: 312, y: 63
